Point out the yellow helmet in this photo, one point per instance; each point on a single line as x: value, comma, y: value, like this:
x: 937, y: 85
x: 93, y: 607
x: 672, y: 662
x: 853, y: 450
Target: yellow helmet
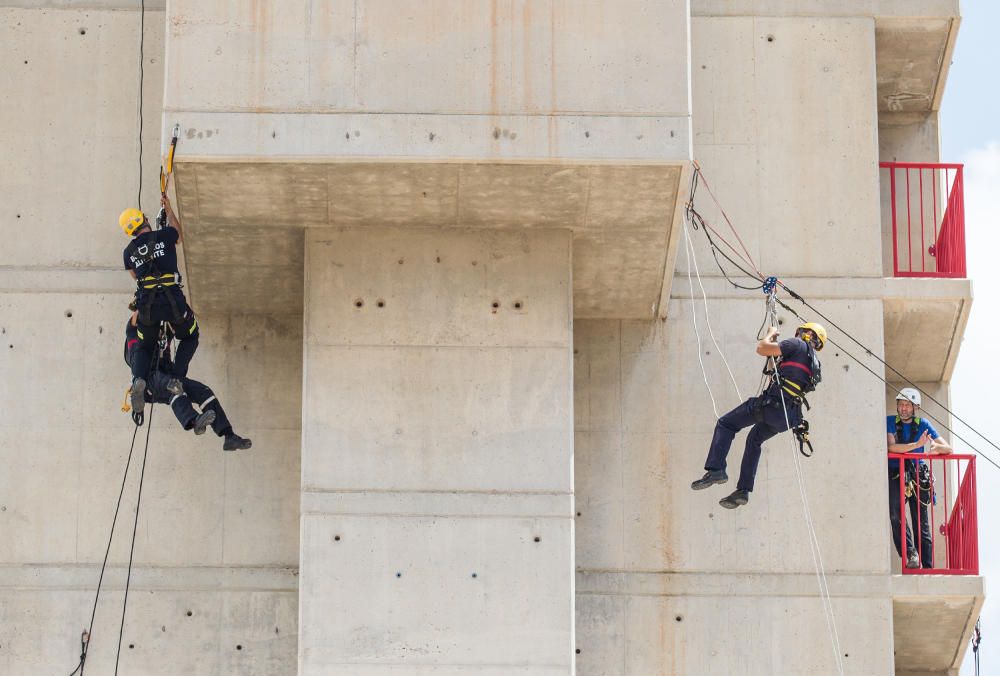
x: 817, y: 330
x: 131, y: 220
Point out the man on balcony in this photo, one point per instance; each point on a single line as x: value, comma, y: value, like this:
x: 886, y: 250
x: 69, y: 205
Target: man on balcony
x: 908, y: 433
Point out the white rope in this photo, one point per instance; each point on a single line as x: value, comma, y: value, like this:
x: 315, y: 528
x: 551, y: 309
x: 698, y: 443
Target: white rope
x: 708, y: 321
x: 814, y: 549
x: 694, y: 319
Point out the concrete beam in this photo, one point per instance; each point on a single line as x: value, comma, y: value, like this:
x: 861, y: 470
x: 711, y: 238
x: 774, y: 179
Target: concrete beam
x: 244, y: 221
x: 933, y: 619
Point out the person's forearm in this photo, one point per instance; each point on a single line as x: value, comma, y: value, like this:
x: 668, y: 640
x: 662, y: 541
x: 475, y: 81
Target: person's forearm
x: 903, y: 448
x: 175, y: 223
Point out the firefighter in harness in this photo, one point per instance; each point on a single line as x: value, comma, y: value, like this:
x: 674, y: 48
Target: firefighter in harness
x: 151, y: 259
x: 907, y: 432
x: 797, y: 373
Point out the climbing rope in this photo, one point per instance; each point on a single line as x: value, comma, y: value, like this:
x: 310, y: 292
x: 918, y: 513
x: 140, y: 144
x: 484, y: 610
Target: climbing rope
x: 142, y: 44
x: 85, y: 636
x: 698, y: 220
x: 814, y: 548
x: 135, y: 527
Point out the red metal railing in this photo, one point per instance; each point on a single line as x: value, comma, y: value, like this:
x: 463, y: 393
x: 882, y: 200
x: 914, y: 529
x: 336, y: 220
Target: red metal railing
x: 928, y: 219
x: 948, y: 507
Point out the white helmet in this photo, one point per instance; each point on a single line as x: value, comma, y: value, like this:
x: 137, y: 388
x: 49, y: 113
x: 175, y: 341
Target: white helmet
x: 909, y: 394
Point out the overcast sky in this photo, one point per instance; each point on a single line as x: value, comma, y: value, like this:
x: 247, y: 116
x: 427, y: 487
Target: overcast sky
x: 970, y: 133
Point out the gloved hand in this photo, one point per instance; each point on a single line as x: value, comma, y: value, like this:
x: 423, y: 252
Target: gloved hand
x: 138, y: 417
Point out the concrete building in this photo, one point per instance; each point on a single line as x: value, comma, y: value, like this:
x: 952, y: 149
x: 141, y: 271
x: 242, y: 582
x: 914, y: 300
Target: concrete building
x: 437, y: 253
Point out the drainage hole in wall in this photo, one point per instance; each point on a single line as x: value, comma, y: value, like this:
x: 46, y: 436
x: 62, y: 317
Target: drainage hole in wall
x: 538, y: 539
x: 239, y: 647
x: 475, y: 575
x: 518, y: 305
x: 68, y: 313
x: 679, y: 618
x: 83, y: 31
x: 359, y: 303
x: 399, y: 575
x: 189, y: 613
x: 495, y: 304
x: 131, y: 646
x: 336, y: 538
x: 577, y: 651
x: 380, y: 303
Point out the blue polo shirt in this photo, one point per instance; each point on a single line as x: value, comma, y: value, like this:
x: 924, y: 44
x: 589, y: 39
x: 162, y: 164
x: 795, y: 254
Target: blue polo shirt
x: 911, y: 433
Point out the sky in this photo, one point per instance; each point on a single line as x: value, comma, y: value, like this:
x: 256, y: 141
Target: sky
x: 970, y: 133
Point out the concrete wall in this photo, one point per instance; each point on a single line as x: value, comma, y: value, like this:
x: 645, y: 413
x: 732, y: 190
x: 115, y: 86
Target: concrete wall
x: 798, y: 180
x: 437, y: 452
x: 214, y: 590
x: 449, y: 78
x: 662, y: 568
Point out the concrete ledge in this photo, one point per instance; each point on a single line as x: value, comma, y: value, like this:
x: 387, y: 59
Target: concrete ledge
x: 427, y: 503
x: 16, y: 279
x: 824, y: 8
x: 83, y: 577
x: 384, y: 135
x: 625, y: 583
x: 933, y: 620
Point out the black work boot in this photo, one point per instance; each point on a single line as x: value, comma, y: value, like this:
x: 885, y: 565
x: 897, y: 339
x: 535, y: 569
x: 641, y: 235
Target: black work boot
x: 735, y: 499
x: 235, y: 442
x: 913, y: 561
x: 712, y: 477
x: 137, y: 396
x: 202, y: 422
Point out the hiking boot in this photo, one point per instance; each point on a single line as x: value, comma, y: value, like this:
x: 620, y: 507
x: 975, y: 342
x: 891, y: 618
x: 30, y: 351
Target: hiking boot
x: 202, y: 422
x: 174, y: 386
x: 137, y: 396
x: 235, y: 442
x: 735, y: 499
x: 913, y: 561
x: 712, y: 477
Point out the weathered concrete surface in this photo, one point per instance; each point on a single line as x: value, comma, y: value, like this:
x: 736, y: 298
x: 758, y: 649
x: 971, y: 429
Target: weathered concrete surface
x: 913, y: 56
x: 933, y: 619
x: 508, y: 105
x: 217, y: 534
x: 524, y: 56
x: 924, y: 323
x: 821, y: 9
x: 766, y: 137
x: 437, y: 452
x: 244, y: 221
x: 649, y: 549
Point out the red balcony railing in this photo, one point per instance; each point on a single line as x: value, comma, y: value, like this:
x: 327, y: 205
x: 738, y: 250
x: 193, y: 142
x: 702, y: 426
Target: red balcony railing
x: 928, y: 219
x: 943, y: 498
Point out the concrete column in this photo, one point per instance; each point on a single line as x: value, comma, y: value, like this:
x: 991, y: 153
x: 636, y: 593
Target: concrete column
x: 437, y: 452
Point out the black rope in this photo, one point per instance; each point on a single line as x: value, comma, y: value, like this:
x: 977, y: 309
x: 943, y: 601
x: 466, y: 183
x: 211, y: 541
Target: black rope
x: 698, y: 223
x: 940, y: 422
x: 85, y: 637
x: 142, y: 42
x: 697, y: 220
x: 135, y: 527
x: 889, y: 366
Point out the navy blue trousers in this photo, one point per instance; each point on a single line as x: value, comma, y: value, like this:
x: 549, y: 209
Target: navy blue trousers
x: 741, y: 417
x: 182, y: 404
